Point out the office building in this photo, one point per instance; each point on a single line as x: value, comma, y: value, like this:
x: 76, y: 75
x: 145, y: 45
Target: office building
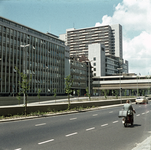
x: 79, y: 39
x: 81, y: 73
x: 32, y: 52
x: 102, y: 45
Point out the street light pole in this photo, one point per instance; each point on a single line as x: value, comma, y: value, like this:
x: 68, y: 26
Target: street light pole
x: 120, y: 82
x: 24, y: 46
x: 89, y: 74
x: 89, y: 77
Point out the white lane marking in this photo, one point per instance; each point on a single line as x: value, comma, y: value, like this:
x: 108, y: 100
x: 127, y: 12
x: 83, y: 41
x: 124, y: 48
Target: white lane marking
x: 147, y: 112
x: 95, y: 114
x: 104, y: 125
x: 40, y: 124
x: 90, y: 129
x: 73, y: 118
x: 138, y: 115
x: 46, y: 141
x: 143, y: 113
x: 71, y: 134
x: 111, y: 112
x: 115, y: 121
x: 18, y: 149
x: 139, y: 106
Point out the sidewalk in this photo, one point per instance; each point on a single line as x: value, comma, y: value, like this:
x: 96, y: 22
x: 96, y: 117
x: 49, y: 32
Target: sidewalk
x: 145, y: 145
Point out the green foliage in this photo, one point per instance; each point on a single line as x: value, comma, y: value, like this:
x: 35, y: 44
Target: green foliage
x: 18, y: 97
x: 68, y: 85
x: 116, y: 94
x: 87, y: 93
x: 24, y: 85
x: 148, y: 91
x: 112, y: 92
x: 78, y: 92
x: 55, y: 94
x: 132, y: 92
x: 105, y: 93
x: 125, y: 92
x: 143, y: 93
x: 95, y: 92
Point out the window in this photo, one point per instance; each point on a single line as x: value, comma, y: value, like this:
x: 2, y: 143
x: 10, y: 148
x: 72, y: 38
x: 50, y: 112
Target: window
x: 94, y: 64
x: 94, y: 58
x: 94, y: 69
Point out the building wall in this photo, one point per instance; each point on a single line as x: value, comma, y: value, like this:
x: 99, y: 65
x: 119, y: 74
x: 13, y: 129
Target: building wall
x: 96, y: 55
x: 44, y: 59
x: 67, y: 61
x: 117, y: 34
x: 79, y: 39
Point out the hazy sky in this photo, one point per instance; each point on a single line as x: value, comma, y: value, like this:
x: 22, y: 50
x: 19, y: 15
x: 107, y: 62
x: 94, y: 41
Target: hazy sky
x: 56, y: 16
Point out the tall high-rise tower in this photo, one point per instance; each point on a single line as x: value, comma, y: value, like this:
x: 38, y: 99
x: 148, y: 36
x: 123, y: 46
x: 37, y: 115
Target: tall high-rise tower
x: 110, y: 36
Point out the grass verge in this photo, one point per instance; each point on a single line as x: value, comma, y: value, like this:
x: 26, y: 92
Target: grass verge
x: 38, y: 113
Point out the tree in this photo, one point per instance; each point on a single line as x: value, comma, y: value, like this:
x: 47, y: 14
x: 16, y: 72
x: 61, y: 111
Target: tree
x: 78, y: 92
x: 125, y: 93
x: 95, y: 92
x: 54, y: 91
x: 105, y: 93
x: 24, y: 86
x: 68, y: 85
x: 19, y: 97
x: 87, y: 93
x: 132, y: 92
x: 38, y: 94
x: 116, y: 94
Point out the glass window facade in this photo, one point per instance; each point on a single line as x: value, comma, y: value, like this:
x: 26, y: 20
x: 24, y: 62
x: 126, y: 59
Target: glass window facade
x: 42, y: 55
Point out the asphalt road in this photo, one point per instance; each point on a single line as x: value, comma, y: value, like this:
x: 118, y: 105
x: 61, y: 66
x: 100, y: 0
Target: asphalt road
x: 92, y: 130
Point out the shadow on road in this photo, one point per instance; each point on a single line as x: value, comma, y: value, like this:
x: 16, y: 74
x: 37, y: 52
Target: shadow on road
x: 134, y: 125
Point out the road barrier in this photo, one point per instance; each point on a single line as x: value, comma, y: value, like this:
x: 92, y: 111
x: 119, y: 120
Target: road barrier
x: 14, y: 110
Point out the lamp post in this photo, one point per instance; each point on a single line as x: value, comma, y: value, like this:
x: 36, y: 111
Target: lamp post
x: 24, y: 67
x: 89, y: 73
x: 120, y: 82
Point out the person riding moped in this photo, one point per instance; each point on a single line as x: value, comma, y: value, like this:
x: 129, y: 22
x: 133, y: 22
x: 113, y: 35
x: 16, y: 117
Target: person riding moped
x: 129, y: 108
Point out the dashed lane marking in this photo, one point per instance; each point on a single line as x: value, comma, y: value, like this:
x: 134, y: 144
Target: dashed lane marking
x: 18, y: 149
x: 73, y: 118
x: 40, y: 124
x: 147, y: 112
x: 111, y: 112
x: 115, y: 121
x: 46, y: 141
x: 104, y: 125
x: 138, y: 115
x: 143, y: 113
x: 71, y: 134
x: 95, y: 114
x: 90, y: 129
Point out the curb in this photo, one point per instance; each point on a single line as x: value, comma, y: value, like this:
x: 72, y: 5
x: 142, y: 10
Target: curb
x: 56, y: 114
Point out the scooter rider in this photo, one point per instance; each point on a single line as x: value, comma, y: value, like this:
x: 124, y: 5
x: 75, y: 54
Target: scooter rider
x: 129, y: 108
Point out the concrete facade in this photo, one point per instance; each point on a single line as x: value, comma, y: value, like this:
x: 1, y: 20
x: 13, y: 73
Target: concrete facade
x: 79, y: 41
x: 96, y: 55
x: 131, y: 83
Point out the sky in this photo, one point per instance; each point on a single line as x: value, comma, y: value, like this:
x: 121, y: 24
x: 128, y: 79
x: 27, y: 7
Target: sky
x: 55, y: 16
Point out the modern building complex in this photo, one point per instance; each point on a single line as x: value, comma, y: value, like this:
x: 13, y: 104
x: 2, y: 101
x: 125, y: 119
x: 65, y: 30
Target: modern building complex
x: 32, y: 52
x: 92, y: 56
x: 86, y: 41
x: 79, y: 39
